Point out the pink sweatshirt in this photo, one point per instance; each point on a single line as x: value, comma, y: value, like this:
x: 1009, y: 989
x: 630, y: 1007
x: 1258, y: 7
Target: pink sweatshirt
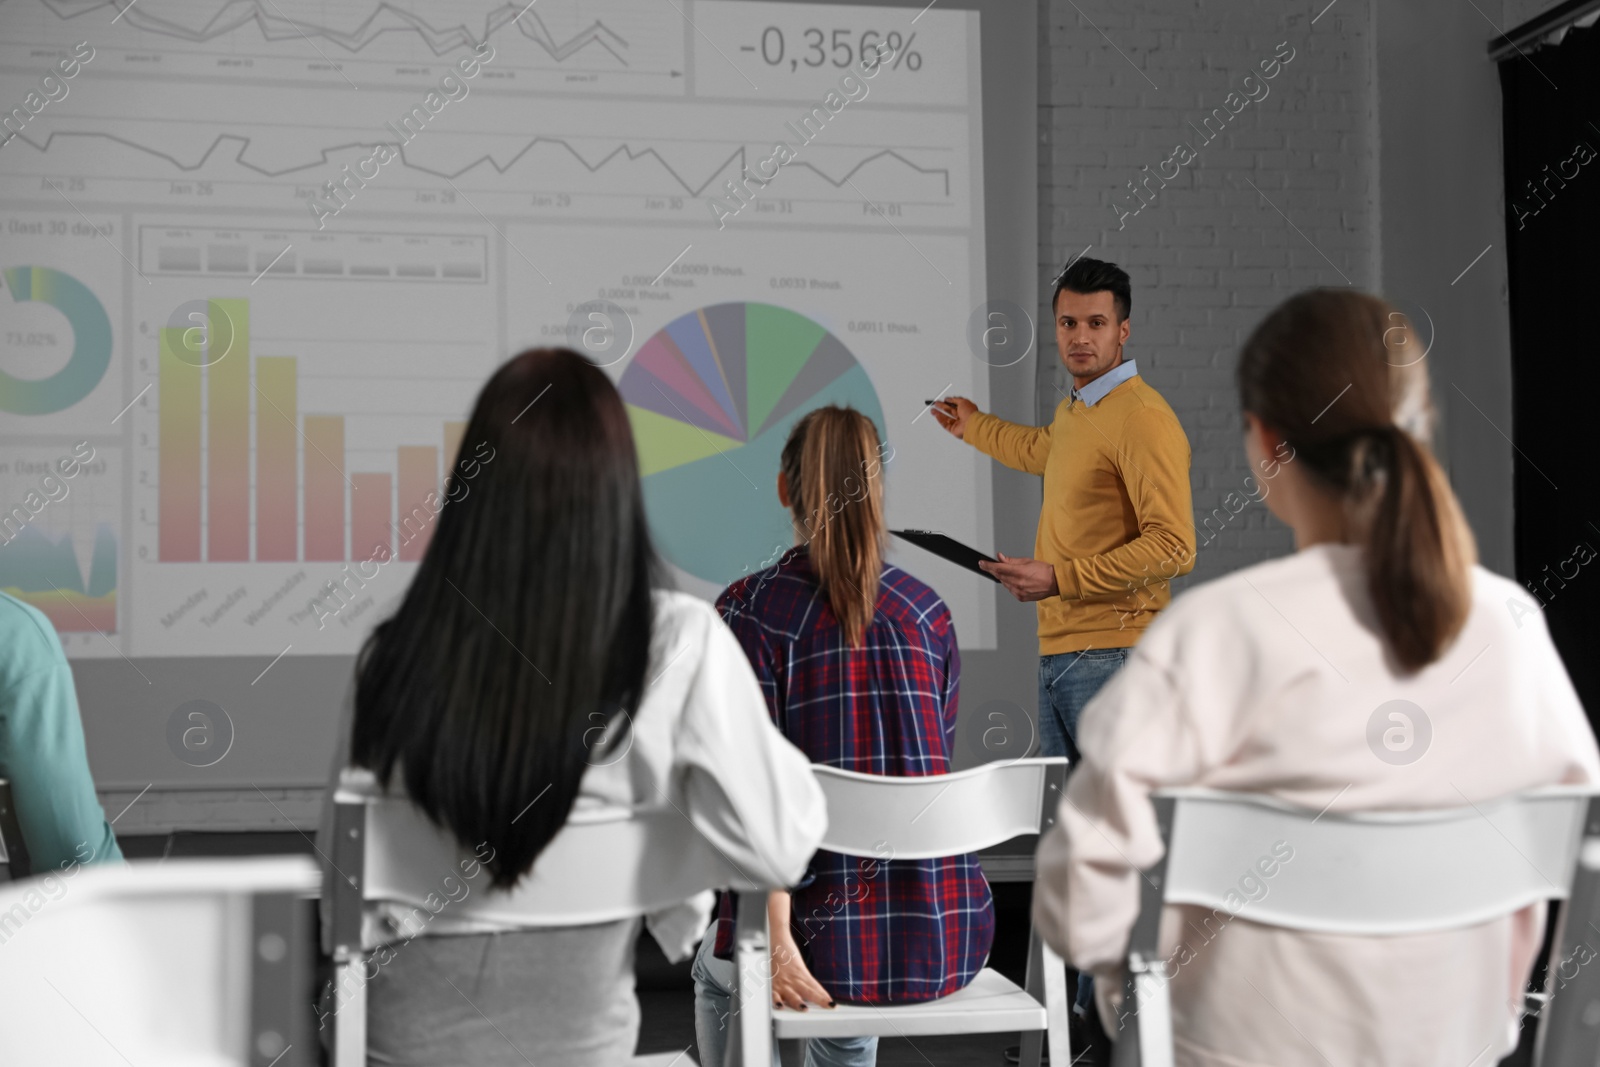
x: 1268, y: 680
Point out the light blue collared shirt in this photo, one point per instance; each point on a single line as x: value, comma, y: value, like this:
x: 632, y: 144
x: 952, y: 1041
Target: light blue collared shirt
x: 1096, y: 390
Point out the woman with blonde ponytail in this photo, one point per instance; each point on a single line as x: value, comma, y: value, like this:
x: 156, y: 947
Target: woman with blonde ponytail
x: 1377, y: 667
x: 832, y: 483
x: 859, y: 665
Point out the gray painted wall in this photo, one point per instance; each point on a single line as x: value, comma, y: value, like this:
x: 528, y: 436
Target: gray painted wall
x: 1441, y: 202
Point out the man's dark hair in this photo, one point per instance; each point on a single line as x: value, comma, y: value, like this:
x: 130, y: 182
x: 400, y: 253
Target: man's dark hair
x: 1084, y: 276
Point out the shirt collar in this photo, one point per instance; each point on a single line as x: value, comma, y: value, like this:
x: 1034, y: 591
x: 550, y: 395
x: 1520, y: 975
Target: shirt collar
x: 1096, y: 390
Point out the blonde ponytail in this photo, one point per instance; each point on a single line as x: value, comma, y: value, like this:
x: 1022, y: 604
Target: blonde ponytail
x: 832, y: 462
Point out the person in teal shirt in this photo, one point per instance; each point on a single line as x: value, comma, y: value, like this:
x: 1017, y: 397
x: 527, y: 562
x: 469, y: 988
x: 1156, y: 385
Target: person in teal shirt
x: 41, y: 746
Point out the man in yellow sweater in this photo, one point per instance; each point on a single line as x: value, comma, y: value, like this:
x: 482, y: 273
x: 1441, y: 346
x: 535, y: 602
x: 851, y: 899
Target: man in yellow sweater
x: 1117, y: 524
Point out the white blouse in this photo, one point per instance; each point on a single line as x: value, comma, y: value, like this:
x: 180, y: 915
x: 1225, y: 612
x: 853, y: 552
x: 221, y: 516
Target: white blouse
x: 703, y: 742
x: 1267, y: 681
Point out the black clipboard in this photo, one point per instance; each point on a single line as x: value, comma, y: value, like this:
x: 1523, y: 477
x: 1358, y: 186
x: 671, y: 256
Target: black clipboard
x: 948, y: 548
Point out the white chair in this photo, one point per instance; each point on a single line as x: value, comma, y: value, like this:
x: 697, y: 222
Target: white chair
x: 882, y: 817
x: 600, y: 867
x: 1569, y: 1008
x: 184, y: 963
x: 1363, y: 873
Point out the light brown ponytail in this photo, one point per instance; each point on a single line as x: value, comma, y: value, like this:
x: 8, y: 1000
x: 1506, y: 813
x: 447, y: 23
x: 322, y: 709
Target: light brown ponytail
x: 1340, y: 376
x: 833, y: 464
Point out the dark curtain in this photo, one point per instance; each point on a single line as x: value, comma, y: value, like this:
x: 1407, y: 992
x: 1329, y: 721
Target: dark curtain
x: 1552, y: 173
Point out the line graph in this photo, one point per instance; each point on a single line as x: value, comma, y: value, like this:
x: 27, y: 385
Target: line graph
x: 215, y: 154
x: 384, y: 19
x: 695, y: 187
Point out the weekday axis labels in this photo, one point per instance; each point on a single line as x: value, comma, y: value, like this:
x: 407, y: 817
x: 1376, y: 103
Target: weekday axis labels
x: 712, y: 397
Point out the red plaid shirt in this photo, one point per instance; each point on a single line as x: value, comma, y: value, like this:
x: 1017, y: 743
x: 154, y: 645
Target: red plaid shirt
x: 872, y: 931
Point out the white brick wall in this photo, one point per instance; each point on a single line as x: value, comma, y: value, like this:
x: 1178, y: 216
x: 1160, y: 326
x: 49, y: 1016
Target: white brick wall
x: 1209, y: 256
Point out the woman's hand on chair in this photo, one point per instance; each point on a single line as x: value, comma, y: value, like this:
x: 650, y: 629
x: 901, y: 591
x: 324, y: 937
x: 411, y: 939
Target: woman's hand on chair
x: 792, y: 983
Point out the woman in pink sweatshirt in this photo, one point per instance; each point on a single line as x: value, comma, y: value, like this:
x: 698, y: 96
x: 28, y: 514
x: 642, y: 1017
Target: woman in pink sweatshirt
x: 1269, y: 680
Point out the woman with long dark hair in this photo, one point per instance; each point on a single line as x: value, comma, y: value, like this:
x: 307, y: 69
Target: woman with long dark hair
x: 1376, y: 667
x: 534, y: 666
x: 859, y: 665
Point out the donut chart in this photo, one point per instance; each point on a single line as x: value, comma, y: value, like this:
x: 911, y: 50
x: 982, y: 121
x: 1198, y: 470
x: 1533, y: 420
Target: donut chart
x: 712, y: 397
x: 91, y: 343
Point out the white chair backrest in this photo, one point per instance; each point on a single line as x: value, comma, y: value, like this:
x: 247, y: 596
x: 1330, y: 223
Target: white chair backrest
x: 937, y: 815
x: 175, y: 962
x: 1361, y: 873
x: 600, y: 867
x: 1371, y: 873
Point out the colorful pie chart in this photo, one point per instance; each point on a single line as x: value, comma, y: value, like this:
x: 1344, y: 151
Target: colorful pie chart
x: 712, y: 397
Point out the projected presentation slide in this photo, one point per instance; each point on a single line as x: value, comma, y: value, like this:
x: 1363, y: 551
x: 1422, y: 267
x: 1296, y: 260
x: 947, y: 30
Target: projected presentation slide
x: 260, y: 255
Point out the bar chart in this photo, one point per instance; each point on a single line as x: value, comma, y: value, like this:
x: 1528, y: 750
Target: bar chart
x: 246, y: 476
x: 285, y: 438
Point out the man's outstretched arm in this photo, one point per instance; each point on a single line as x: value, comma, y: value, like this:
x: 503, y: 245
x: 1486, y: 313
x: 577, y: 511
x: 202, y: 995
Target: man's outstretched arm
x: 1019, y: 447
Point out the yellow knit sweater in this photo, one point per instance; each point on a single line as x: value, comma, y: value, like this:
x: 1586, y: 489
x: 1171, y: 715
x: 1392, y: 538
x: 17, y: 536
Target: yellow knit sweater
x: 1117, y: 523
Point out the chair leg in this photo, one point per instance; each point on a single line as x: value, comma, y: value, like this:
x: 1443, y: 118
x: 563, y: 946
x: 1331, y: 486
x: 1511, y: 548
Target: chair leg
x: 1034, y: 984
x: 1057, y: 1005
x: 1155, y: 1022
x: 750, y: 1039
x: 349, y: 1014
x: 1146, y: 1037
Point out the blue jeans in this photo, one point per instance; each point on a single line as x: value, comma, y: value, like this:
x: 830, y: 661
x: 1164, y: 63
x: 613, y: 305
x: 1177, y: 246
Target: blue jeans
x: 1067, y: 682
x: 713, y: 1006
